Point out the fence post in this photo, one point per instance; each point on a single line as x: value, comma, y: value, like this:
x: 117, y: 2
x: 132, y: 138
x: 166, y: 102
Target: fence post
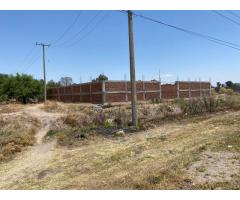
x: 210, y: 88
x: 90, y: 91
x: 178, y: 95
x: 64, y: 93
x: 126, y: 90
x: 58, y: 93
x: 80, y: 92
x: 103, y: 93
x: 160, y: 89
x: 144, y: 91
x: 200, y: 85
x: 72, y: 92
x: 189, y: 88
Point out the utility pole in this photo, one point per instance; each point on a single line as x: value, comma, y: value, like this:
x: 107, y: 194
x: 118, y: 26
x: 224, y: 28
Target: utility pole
x: 132, y: 69
x: 44, y: 70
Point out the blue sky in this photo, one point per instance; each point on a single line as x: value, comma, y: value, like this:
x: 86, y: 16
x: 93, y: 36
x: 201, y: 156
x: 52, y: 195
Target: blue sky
x: 102, y: 46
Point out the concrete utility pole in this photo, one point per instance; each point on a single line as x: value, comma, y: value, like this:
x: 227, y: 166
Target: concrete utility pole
x: 132, y: 70
x: 44, y: 70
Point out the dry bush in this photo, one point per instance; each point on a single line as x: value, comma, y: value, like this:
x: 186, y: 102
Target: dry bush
x: 226, y: 91
x: 230, y: 102
x: 92, y: 119
x: 9, y: 108
x: 122, y: 118
x: 198, y: 106
x: 54, y: 106
x: 77, y: 120
x: 16, y: 132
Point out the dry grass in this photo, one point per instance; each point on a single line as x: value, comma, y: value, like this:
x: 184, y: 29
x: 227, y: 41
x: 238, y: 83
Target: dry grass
x: 86, y: 119
x: 155, y: 159
x: 10, y: 108
x: 16, y: 132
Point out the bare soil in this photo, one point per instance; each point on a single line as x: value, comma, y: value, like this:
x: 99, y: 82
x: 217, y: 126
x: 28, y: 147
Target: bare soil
x: 215, y: 167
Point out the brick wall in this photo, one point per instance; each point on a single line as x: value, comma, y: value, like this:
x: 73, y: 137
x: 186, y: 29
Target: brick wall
x: 120, y: 91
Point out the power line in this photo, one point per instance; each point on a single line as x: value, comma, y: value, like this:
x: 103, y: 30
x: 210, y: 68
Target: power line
x: 30, y: 65
x: 68, y: 28
x: 207, y: 37
x: 29, y: 53
x: 226, y: 17
x: 122, y: 11
x: 90, y: 31
x: 81, y: 30
x: 27, y: 57
x: 232, y: 13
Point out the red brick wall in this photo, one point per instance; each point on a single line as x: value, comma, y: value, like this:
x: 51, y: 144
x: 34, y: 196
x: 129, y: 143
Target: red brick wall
x: 76, y: 88
x: 96, y: 87
x: 152, y: 86
x: 96, y: 98
x: 85, y: 88
x: 115, y: 97
x: 169, y: 91
x: 152, y: 95
x: 115, y: 86
x: 115, y: 91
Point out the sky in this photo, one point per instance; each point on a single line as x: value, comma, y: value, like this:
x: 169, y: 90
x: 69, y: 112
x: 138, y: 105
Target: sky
x: 87, y: 43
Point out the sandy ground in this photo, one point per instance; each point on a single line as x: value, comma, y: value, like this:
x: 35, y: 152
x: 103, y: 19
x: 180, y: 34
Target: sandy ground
x: 215, y: 167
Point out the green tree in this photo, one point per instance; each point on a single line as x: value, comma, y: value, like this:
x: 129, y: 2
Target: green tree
x: 21, y: 87
x: 52, y: 84
x: 229, y: 84
x: 66, y: 81
x: 100, y: 78
x: 218, y: 86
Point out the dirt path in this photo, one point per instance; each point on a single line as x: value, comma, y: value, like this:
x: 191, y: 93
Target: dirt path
x: 34, y: 158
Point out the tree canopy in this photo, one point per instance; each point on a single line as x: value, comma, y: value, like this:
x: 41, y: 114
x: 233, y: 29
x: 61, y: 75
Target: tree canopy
x: 66, y: 81
x: 52, y: 84
x: 101, y: 77
x: 20, y: 87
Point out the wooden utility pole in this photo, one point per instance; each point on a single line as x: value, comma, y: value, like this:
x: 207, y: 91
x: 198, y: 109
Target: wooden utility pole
x: 132, y: 70
x: 44, y: 70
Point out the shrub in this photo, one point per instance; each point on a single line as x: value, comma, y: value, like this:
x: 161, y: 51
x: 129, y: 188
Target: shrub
x: 211, y: 104
x: 226, y: 91
x: 15, y: 134
x: 77, y: 120
x: 121, y: 117
x: 145, y: 110
x: 99, y: 118
x: 108, y: 123
x: 165, y: 110
x: 3, y: 98
x: 230, y: 102
x: 156, y: 101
